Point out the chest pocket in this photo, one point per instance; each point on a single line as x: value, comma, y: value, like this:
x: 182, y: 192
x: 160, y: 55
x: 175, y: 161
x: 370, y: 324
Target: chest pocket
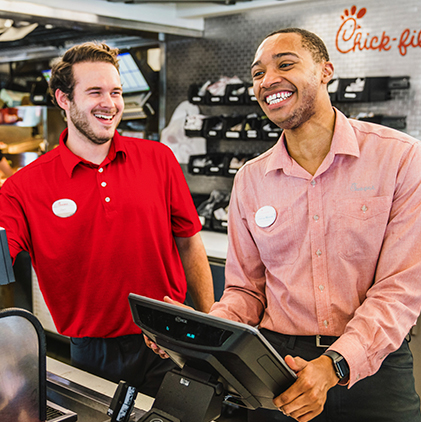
x: 277, y: 243
x: 360, y: 225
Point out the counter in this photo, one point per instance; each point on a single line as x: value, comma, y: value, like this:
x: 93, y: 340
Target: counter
x: 216, y: 244
x: 84, y: 393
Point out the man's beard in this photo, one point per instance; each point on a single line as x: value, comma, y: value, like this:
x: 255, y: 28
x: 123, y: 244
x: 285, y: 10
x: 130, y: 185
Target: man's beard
x: 82, y: 124
x: 305, y: 111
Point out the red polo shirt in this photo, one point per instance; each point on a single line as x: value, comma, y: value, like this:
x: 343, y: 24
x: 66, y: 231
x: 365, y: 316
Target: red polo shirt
x: 97, y: 233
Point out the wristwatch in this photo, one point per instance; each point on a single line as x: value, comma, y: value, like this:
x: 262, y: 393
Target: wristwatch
x: 339, y: 364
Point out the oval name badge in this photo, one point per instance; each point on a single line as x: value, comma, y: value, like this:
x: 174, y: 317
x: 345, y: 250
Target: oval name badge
x: 265, y: 216
x: 64, y: 208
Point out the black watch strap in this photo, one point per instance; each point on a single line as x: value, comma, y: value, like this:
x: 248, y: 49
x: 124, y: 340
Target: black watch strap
x: 340, y: 365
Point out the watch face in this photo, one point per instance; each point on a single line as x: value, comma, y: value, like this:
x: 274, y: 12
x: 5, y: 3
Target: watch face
x: 339, y: 363
x: 342, y: 368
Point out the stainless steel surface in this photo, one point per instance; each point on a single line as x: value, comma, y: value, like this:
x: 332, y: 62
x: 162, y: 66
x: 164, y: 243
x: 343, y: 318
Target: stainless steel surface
x: 19, y: 374
x: 62, y: 17
x: 26, y: 50
x: 90, y: 405
x: 21, y: 160
x: 37, y: 132
x: 226, y: 2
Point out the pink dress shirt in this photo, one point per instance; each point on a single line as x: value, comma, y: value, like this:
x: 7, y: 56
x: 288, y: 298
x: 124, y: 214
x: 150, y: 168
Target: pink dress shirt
x: 342, y: 256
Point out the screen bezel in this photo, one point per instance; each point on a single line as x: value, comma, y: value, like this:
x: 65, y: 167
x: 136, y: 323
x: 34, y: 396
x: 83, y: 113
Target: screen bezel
x: 143, y: 74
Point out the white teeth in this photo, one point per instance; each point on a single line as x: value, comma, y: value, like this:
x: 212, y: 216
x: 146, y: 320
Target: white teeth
x: 103, y: 116
x: 278, y: 97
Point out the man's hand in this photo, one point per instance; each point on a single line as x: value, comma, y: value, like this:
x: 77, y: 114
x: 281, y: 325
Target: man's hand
x: 305, y: 399
x: 153, y: 346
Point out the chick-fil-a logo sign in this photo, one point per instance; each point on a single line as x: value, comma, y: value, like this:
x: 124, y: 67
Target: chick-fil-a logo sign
x: 351, y: 37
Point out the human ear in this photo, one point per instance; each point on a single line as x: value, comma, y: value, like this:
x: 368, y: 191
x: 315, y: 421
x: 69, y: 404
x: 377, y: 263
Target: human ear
x: 327, y: 72
x: 62, y: 99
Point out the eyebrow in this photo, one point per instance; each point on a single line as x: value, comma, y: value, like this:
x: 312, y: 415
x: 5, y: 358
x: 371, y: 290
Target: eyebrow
x: 275, y: 56
x: 96, y: 88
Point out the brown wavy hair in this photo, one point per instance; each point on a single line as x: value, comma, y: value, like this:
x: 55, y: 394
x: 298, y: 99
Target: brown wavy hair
x: 62, y: 77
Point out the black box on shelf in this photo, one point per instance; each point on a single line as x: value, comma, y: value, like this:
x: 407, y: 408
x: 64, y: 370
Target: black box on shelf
x: 370, y: 89
x: 352, y: 90
x: 197, y: 164
x: 193, y: 94
x: 236, y: 162
x: 394, y: 122
x: 250, y: 98
x: 213, y: 127
x: 219, y: 217
x: 211, y: 99
x: 399, y: 82
x: 193, y: 125
x: 218, y: 163
x: 269, y: 131
x: 233, y: 126
x: 211, y: 164
x: 378, y: 89
x: 252, y: 128
x: 213, y: 207
x: 235, y: 94
x: 332, y: 88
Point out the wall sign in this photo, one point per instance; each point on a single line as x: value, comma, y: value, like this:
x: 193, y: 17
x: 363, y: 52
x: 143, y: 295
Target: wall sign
x: 351, y: 36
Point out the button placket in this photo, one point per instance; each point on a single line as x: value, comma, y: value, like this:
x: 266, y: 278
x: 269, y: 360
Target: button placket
x: 318, y: 255
x: 104, y: 194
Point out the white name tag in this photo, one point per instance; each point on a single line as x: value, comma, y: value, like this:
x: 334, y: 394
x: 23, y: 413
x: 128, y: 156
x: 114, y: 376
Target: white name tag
x: 64, y: 208
x: 265, y: 216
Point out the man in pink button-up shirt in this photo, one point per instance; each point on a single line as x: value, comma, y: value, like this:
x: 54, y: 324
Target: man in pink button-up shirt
x: 324, y: 240
x: 324, y: 246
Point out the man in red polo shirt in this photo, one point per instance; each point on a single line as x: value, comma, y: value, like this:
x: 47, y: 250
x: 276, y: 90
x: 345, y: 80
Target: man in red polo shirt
x: 103, y: 216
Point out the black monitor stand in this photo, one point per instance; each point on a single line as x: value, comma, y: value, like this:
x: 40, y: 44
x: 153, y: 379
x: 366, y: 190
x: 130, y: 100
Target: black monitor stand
x: 188, y: 395
x: 209, y: 349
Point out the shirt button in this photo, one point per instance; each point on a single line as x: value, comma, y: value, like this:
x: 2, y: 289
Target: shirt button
x: 321, y: 288
x: 313, y: 183
x: 315, y: 217
x: 318, y: 252
x: 325, y: 323
x: 364, y: 208
x: 107, y: 199
x: 100, y: 170
x: 103, y: 184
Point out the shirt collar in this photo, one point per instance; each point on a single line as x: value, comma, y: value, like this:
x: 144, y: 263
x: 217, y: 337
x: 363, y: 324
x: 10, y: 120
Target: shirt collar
x: 71, y: 160
x: 344, y: 142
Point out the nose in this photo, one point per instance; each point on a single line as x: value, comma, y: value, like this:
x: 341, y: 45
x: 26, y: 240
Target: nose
x: 107, y: 101
x: 270, y: 78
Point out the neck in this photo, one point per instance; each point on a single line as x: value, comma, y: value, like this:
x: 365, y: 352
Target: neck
x: 309, y: 144
x: 86, y: 149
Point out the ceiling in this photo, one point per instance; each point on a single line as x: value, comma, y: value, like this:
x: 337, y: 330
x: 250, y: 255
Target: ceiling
x: 33, y: 29
x: 226, y: 2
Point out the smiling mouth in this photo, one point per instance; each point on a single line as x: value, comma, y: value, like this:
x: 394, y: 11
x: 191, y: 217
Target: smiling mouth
x: 278, y: 97
x: 104, y: 117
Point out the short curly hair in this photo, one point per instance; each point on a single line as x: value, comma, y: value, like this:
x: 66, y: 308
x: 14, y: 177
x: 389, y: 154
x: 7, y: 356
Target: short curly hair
x: 310, y: 42
x: 62, y: 77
